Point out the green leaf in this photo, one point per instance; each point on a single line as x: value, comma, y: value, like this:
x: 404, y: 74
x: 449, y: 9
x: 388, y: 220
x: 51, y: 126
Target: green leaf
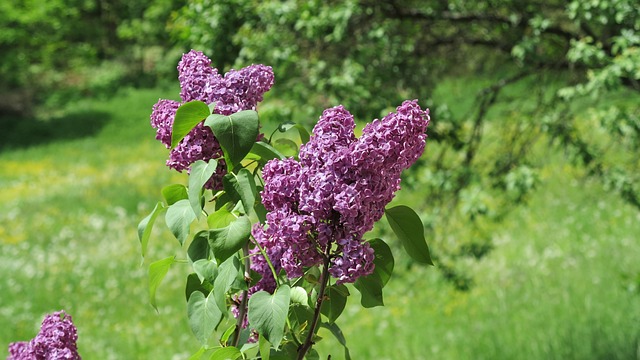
x: 247, y: 346
x: 228, y: 272
x: 203, y: 315
x: 242, y: 186
x: 198, y: 354
x: 221, y: 218
x: 227, y: 334
x: 383, y: 261
x: 206, y: 270
x: 194, y: 284
x: 236, y: 134
x: 174, y: 193
x: 228, y: 240
x: 187, y: 117
x: 146, y: 225
x: 299, y: 296
x: 226, y: 353
x: 265, y: 347
x: 179, y: 217
x: 268, y: 313
x: 261, y: 211
x: 335, y: 330
x: 222, y: 200
x: 312, y: 354
x: 266, y: 152
x: 288, y: 351
x: 157, y: 271
x: 407, y: 226
x: 337, y: 300
x: 370, y: 286
x: 304, y: 134
x: 284, y: 144
x: 199, y: 247
x: 200, y: 173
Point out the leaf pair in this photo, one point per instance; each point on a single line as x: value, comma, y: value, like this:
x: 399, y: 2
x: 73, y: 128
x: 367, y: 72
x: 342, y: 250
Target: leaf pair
x: 205, y: 309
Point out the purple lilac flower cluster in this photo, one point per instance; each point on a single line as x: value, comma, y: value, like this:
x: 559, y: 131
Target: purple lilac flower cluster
x: 235, y: 91
x: 323, y: 205
x: 55, y: 341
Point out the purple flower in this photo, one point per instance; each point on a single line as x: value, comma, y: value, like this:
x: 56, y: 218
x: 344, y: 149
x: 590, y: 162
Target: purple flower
x: 235, y: 91
x: 335, y: 193
x: 164, y: 111
x: 56, y: 340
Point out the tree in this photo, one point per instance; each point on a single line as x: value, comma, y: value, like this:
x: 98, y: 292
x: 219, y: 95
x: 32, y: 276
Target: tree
x: 56, y: 49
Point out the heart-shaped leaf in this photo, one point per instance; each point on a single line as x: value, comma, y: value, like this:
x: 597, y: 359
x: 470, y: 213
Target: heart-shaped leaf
x: 179, y: 217
x: 226, y: 241
x: 236, y: 134
x: 203, y: 315
x: 268, y: 313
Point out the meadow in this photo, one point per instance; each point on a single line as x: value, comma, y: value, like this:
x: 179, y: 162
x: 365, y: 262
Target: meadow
x: 560, y: 283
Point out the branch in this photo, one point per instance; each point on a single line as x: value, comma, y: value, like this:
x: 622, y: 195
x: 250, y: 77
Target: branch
x: 413, y: 14
x: 245, y: 297
x: 461, y: 39
x: 324, y: 280
x: 487, y: 98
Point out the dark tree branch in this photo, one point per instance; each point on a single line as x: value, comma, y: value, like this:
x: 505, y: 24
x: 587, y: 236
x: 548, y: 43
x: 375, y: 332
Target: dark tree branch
x: 487, y: 97
x: 413, y: 14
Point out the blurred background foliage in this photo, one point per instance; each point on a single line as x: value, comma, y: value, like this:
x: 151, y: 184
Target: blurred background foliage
x: 517, y: 89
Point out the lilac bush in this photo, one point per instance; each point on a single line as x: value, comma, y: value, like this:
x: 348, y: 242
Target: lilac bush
x: 284, y: 236
x: 55, y: 341
x: 235, y: 91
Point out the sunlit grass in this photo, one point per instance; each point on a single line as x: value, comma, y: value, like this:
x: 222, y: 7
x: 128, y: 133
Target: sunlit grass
x: 68, y: 238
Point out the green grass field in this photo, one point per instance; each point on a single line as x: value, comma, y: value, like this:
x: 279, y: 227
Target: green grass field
x: 560, y: 284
